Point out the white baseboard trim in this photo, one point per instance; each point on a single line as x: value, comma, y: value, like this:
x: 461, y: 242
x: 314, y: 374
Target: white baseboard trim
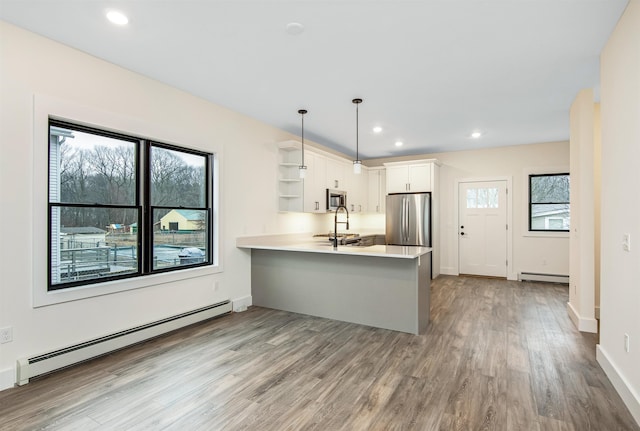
x: 583, y: 324
x: 538, y: 276
x: 7, y: 378
x: 630, y: 398
x: 448, y: 270
x: 241, y: 304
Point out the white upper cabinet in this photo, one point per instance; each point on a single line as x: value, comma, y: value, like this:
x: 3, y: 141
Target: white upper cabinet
x: 397, y: 179
x: 410, y: 177
x: 324, y: 171
x: 420, y: 178
x: 357, y: 190
x: 336, y: 174
x: 315, y: 199
x: 377, y: 190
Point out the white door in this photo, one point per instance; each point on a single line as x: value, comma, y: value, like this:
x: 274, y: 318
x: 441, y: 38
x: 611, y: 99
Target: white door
x: 482, y: 228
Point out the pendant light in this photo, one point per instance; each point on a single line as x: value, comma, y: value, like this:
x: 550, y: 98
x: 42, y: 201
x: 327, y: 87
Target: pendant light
x: 357, y: 163
x: 302, y: 169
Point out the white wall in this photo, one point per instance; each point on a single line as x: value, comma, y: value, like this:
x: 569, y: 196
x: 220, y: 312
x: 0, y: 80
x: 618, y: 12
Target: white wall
x: 597, y: 196
x: 543, y: 253
x: 581, y: 305
x: 32, y: 65
x: 620, y: 211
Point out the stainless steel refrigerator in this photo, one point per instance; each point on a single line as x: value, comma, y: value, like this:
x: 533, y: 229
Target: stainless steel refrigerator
x: 409, y: 219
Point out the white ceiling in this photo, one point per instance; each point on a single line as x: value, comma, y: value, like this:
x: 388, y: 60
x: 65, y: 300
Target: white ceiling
x: 430, y: 72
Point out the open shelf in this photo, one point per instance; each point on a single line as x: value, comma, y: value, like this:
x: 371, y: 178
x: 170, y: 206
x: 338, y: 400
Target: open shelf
x: 290, y: 185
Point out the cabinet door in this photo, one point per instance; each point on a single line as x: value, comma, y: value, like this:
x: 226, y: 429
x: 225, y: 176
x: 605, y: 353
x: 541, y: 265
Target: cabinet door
x: 382, y: 192
x: 358, y: 195
x: 377, y: 189
x: 374, y: 178
x: 420, y: 178
x: 335, y: 174
x: 314, y: 184
x: 397, y: 179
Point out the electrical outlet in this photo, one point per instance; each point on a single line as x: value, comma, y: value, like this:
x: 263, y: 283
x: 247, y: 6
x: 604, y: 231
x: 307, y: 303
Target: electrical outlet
x: 626, y: 343
x: 6, y: 335
x: 626, y: 242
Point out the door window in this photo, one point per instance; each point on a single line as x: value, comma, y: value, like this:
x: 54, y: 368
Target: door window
x: 482, y: 197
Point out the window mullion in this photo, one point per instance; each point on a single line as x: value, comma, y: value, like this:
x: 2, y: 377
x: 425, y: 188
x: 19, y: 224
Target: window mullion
x: 147, y: 232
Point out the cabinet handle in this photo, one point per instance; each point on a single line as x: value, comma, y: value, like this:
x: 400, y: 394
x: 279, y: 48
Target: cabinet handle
x: 359, y: 208
x: 353, y: 207
x: 336, y: 183
x: 377, y: 208
x: 317, y: 205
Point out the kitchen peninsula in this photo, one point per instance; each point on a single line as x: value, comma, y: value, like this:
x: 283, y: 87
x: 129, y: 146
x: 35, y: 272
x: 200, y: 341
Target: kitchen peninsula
x: 383, y: 286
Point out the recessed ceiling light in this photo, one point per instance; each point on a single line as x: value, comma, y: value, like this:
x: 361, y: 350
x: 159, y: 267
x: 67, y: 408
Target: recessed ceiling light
x: 295, y: 28
x: 377, y: 129
x: 399, y: 143
x: 117, y: 18
x: 476, y: 134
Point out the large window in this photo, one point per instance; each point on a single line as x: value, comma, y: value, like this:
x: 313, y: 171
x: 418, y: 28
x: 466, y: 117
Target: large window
x: 122, y: 206
x: 549, y: 202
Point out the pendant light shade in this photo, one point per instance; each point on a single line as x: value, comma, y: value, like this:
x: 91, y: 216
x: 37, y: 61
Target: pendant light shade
x: 357, y: 163
x: 302, y: 169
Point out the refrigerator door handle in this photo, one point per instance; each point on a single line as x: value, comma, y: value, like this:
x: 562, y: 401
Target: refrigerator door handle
x: 409, y: 220
x: 402, y: 221
x: 405, y: 232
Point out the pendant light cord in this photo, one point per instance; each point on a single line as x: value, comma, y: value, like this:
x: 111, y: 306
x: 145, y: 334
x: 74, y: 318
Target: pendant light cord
x: 302, y: 112
x: 357, y: 133
x: 357, y: 102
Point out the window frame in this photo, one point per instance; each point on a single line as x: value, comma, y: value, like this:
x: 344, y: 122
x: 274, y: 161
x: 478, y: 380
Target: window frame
x: 142, y: 203
x: 530, y: 203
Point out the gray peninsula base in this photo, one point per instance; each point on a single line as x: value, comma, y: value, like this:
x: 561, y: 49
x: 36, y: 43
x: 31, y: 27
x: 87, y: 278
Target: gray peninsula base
x: 377, y: 291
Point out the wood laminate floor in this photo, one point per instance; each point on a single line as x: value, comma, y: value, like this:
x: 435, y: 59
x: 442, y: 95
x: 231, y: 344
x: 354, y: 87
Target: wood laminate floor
x: 498, y: 355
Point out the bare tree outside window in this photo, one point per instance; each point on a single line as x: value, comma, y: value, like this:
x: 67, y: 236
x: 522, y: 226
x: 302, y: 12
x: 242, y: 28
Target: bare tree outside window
x: 98, y: 203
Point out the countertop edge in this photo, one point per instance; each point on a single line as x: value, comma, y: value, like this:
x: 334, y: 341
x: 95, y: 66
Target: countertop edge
x: 385, y: 251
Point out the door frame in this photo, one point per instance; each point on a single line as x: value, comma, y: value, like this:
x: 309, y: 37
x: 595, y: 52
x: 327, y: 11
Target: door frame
x: 456, y: 214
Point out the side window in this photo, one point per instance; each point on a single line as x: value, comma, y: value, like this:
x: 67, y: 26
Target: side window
x: 179, y: 199
x: 549, y: 202
x: 109, y: 196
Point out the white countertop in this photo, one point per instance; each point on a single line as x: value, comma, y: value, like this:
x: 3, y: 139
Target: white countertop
x: 308, y: 244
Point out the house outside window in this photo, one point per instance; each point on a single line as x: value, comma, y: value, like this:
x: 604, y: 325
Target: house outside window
x: 108, y: 193
x: 549, y: 202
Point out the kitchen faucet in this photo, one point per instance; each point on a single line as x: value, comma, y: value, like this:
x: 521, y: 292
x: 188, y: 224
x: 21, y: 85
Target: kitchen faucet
x: 335, y: 225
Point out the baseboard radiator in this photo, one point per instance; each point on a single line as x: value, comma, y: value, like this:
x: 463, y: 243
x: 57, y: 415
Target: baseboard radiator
x: 549, y: 278
x: 47, y: 362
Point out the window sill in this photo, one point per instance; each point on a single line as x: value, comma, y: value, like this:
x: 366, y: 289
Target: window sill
x: 546, y: 234
x: 43, y: 298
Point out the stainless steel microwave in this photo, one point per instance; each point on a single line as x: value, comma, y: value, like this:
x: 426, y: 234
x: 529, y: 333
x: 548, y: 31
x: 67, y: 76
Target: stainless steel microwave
x: 336, y: 198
